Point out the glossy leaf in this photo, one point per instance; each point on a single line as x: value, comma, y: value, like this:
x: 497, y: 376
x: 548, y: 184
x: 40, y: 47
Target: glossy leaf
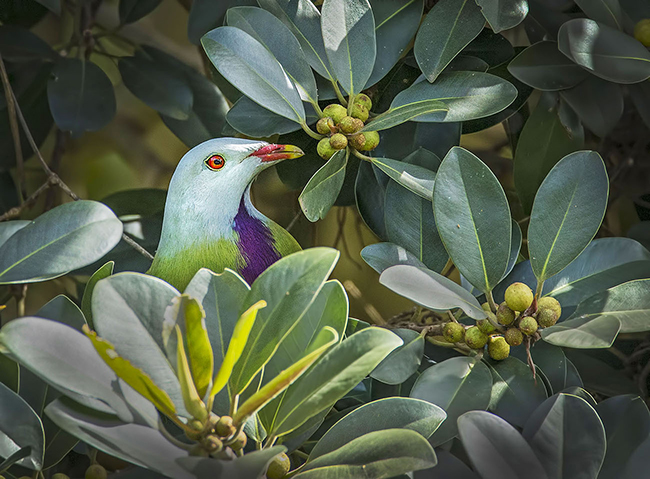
x: 133, y: 10
x: 543, y: 142
x: 369, y: 190
x: 8, y: 228
x: 403, y: 113
x: 52, y: 5
x: 20, y: 427
x: 604, y: 11
x: 193, y: 402
x: 496, y: 448
x: 86, y: 300
x: 402, y: 363
x: 599, y: 376
x: 448, y: 28
x: 457, y: 385
x: 605, y: 51
x: 430, y: 289
x: 467, y: 95
x: 80, y: 95
x: 640, y: 95
x: 19, y: 44
x: 584, y: 333
x: 324, y: 187
x: 247, y: 63
x: 63, y: 239
x: 473, y: 218
x: 567, y: 437
x: 515, y: 247
x: 62, y: 309
x: 415, y: 178
x: 381, y: 256
x: 567, y: 212
x: 349, y: 38
x: 207, y: 14
x: 251, y: 119
x: 503, y: 14
x: 199, y: 351
x: 342, y: 368
x: 544, y: 67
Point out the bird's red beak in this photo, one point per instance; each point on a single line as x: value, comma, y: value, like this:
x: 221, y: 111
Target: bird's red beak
x: 278, y: 152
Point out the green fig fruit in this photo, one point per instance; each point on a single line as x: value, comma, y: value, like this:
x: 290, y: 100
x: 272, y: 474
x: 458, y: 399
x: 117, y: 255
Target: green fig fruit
x: 212, y: 444
x: 486, y: 306
x: 549, y: 303
x: 324, y: 126
x: 350, y: 125
x: 475, y: 338
x: 372, y: 140
x: 453, y: 332
x: 58, y: 475
x: 96, y: 472
x: 279, y: 467
x: 498, y: 348
x: 642, y: 31
x: 505, y: 315
x: 363, y: 100
x: 485, y: 325
x: 513, y: 337
x: 528, y: 325
x: 240, y: 442
x: 225, y: 427
x: 336, y: 112
x: 324, y: 149
x: 546, y: 317
x: 519, y: 296
x: 357, y: 141
x: 360, y: 112
x: 338, y: 141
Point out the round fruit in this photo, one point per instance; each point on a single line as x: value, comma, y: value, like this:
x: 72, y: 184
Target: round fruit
x: 58, y: 475
x: 364, y: 100
x: 225, y: 427
x: 338, y: 141
x: 336, y: 112
x: 485, y: 325
x: 505, y: 315
x: 240, y: 442
x: 324, y: 126
x: 360, y: 112
x: 358, y: 141
x: 212, y: 444
x: 642, y: 31
x: 279, y: 467
x: 372, y: 140
x: 96, y: 472
x: 546, y: 317
x: 475, y: 338
x: 486, y: 306
x: 514, y: 337
x: 528, y: 325
x: 324, y: 149
x: 453, y: 332
x: 350, y: 125
x: 518, y: 296
x: 549, y: 303
x: 498, y: 348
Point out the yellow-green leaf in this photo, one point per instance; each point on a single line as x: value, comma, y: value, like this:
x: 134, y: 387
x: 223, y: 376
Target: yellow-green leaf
x: 236, y: 346
x: 325, y: 339
x: 198, y: 344
x: 134, y: 377
x: 191, y: 398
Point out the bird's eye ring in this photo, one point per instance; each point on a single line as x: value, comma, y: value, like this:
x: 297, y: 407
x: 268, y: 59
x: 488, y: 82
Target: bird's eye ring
x: 215, y: 162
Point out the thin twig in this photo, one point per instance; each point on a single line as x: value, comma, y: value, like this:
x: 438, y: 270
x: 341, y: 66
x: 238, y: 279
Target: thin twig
x: 15, y: 131
x: 16, y: 211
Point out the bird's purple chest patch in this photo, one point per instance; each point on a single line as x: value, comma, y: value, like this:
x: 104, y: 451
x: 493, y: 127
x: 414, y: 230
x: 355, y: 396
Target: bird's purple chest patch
x: 255, y: 244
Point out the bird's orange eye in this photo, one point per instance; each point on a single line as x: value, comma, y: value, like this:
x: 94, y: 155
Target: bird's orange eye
x: 215, y: 162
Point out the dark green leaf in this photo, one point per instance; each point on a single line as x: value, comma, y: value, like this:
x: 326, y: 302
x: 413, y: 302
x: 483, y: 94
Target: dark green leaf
x: 637, y: 465
x: 402, y: 363
x: 80, y: 95
x: 252, y: 465
x: 208, y: 14
x: 515, y: 247
x: 103, y: 272
x: 600, y: 377
x: 20, y: 427
x: 53, y: 6
x: 503, y: 14
x: 324, y: 187
x: 448, y: 28
x: 605, y: 51
x: 415, y: 178
x: 584, y: 333
x: 604, y: 11
x: 8, y: 228
x: 9, y: 373
x: 18, y: 44
x: 640, y: 95
x: 490, y: 47
x: 403, y: 113
x: 381, y: 256
x: 63, y: 310
x: 369, y: 190
x: 133, y: 10
x: 255, y: 121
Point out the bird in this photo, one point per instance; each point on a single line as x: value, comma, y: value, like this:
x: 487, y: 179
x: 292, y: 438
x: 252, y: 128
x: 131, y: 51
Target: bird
x: 209, y: 220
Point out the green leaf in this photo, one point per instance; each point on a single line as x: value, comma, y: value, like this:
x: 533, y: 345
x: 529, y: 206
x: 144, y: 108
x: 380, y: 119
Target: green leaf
x: 199, y: 350
x: 304, y: 20
x: 627, y: 426
x: 402, y: 363
x: 605, y: 51
x: 208, y: 14
x: 567, y: 437
x: 62, y: 309
x: 395, y: 27
x: 251, y: 119
x: 53, y: 6
x: 600, y: 377
x: 415, y: 178
x: 567, y: 212
x: 584, y: 333
x: 553, y: 363
x: 247, y: 63
x: 640, y: 95
x: 274, y: 35
x: 603, y: 11
x: 515, y: 393
x: 492, y: 48
x: 342, y: 368
x: 133, y: 10
x: 8, y: 228
x: 496, y: 448
x: 86, y: 300
x: 543, y: 142
x: 9, y: 373
x: 18, y: 44
x: 20, y: 427
x: 467, y: 95
x: 369, y: 190
x: 403, y: 113
x: 193, y: 403
x: 473, y: 218
x: 161, y: 88
x: 349, y: 39
x: 80, y: 95
x: 430, y: 289
x: 381, y: 256
x: 543, y: 67
x: 457, y: 385
x: 515, y: 247
x: 503, y: 14
x: 324, y: 187
x: 598, y: 104
x: 289, y: 287
x: 63, y: 239
x: 448, y: 28
x: 385, y: 453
